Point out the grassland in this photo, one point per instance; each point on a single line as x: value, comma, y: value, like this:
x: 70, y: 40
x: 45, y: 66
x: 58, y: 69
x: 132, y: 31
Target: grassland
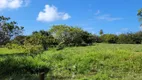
x: 97, y: 62
x: 9, y: 51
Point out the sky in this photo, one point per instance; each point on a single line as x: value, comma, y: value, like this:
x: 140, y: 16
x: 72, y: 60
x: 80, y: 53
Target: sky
x: 112, y: 16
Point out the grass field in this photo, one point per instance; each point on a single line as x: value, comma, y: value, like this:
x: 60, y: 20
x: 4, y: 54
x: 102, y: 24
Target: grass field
x: 97, y: 62
x: 9, y: 51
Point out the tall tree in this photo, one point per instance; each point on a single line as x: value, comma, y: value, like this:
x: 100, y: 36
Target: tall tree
x: 42, y: 38
x: 139, y: 14
x: 8, y: 29
x: 3, y: 38
x: 71, y: 36
x: 101, y: 32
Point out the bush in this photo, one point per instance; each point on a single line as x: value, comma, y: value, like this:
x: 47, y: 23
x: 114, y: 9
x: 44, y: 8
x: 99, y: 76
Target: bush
x: 97, y: 39
x: 22, y: 66
x: 71, y: 36
x: 28, y: 48
x: 130, y: 38
x: 38, y: 38
x: 60, y: 46
x: 138, y: 37
x: 109, y: 38
x: 13, y: 46
x: 19, y: 40
x: 33, y: 48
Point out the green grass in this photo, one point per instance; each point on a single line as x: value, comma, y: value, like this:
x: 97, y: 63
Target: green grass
x: 97, y: 62
x: 9, y: 51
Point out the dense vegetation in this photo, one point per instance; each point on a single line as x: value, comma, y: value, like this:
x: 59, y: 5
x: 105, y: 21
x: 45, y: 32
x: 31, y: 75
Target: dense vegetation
x: 68, y: 52
x: 58, y: 36
x: 97, y: 62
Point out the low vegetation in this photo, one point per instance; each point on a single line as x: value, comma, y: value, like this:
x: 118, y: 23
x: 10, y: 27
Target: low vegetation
x: 99, y: 62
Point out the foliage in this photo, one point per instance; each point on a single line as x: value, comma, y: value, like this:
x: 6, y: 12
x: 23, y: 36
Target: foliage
x: 88, y: 38
x: 130, y: 38
x: 97, y: 39
x: 139, y: 14
x: 109, y: 38
x: 26, y: 48
x: 22, y: 66
x: 19, y: 39
x: 35, y: 43
x: 60, y: 46
x: 13, y: 46
x: 8, y: 29
x: 42, y: 38
x: 102, y: 61
x: 138, y: 37
x: 4, y: 51
x: 3, y: 38
x: 71, y: 36
x: 125, y: 38
x: 35, y: 49
x: 101, y: 32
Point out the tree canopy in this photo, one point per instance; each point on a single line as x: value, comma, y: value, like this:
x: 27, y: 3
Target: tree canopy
x: 70, y: 35
x: 8, y: 29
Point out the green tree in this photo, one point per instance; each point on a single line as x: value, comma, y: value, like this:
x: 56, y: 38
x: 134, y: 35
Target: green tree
x: 96, y: 38
x: 138, y: 37
x: 109, y: 38
x: 88, y: 37
x: 101, y: 32
x: 71, y: 36
x: 66, y: 34
x: 19, y: 40
x: 42, y: 38
x: 3, y: 38
x: 9, y: 29
x: 128, y: 38
x: 139, y: 14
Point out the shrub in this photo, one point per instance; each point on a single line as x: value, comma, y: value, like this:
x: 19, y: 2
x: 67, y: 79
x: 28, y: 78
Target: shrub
x: 60, y: 46
x: 130, y: 38
x: 13, y: 46
x: 97, y: 39
x: 138, y: 37
x: 33, y: 48
x: 71, y: 36
x: 39, y: 39
x: 19, y: 40
x: 109, y: 38
x: 22, y: 66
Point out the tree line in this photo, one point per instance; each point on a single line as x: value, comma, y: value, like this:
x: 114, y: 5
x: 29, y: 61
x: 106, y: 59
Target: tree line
x: 59, y: 36
x: 124, y: 38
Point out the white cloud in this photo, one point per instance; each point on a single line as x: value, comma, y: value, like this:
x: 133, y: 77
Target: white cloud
x: 12, y: 4
x: 66, y: 16
x: 98, y: 12
x: 108, y: 18
x: 15, y: 4
x: 50, y: 14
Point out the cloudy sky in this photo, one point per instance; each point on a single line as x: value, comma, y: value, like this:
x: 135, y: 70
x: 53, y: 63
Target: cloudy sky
x: 113, y: 16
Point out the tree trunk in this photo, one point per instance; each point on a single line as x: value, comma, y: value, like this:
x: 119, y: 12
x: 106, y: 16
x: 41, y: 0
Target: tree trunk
x: 41, y: 76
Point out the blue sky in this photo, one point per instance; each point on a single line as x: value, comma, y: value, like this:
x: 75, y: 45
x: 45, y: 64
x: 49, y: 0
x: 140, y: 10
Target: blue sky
x: 113, y: 16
